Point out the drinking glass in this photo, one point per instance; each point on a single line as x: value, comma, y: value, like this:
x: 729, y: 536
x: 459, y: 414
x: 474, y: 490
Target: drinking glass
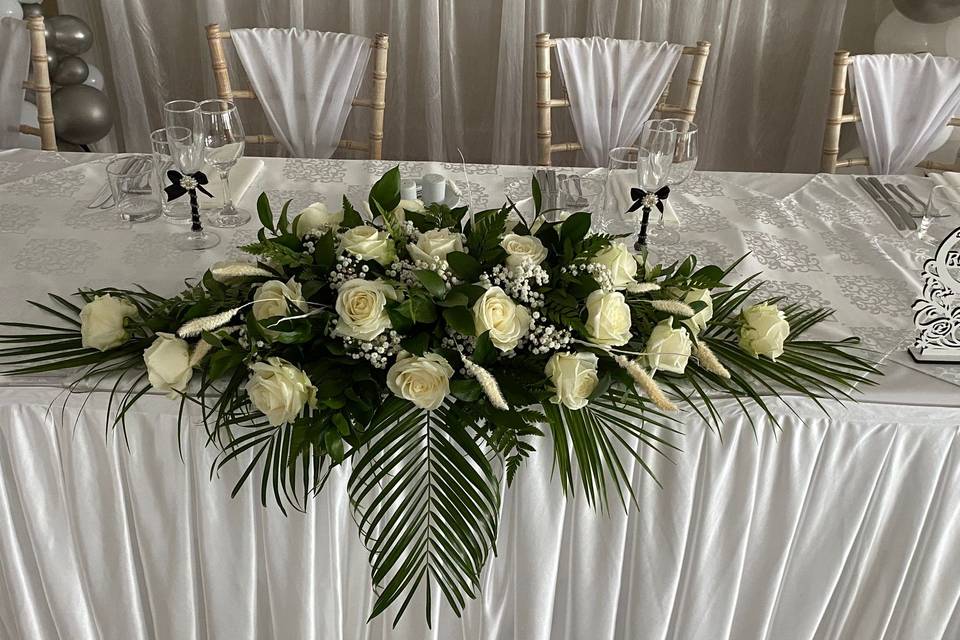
x: 685, y: 153
x: 223, y: 143
x: 182, y: 120
x: 944, y: 201
x: 657, y: 147
x: 621, y: 174
x: 133, y: 187
x: 178, y: 211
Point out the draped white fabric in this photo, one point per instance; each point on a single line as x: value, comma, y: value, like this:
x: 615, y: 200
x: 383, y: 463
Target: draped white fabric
x: 14, y: 67
x: 905, y: 102
x: 613, y: 86
x: 461, y: 75
x: 305, y: 81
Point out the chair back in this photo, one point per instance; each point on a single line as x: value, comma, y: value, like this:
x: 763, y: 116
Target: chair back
x: 836, y: 118
x: 39, y: 83
x: 373, y: 147
x: 546, y: 147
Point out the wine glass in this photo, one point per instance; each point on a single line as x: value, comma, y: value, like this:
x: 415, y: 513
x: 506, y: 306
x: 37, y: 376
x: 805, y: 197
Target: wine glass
x: 656, y: 148
x: 182, y: 122
x: 223, y: 143
x: 685, y: 154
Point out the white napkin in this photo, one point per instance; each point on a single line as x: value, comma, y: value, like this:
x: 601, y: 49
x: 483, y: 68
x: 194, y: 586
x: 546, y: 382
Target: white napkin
x: 613, y: 86
x: 241, y: 177
x: 306, y: 81
x: 905, y: 102
x: 14, y: 67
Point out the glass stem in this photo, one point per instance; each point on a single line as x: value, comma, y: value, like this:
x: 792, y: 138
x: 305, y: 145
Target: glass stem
x: 227, y: 196
x: 195, y: 224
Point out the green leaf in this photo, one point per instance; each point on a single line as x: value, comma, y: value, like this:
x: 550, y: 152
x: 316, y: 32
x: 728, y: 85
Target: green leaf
x: 284, y: 225
x: 341, y: 423
x: 401, y: 317
x: 575, y: 228
x: 537, y: 195
x: 432, y: 282
x: 351, y: 218
x: 386, y: 191
x: 264, y: 212
x: 464, y: 266
x: 466, y: 389
x: 334, y: 444
x: 416, y: 344
x: 460, y: 319
x: 484, y: 353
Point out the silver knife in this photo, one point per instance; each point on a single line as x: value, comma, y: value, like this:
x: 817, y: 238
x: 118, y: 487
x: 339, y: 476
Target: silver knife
x: 886, y: 208
x: 903, y: 213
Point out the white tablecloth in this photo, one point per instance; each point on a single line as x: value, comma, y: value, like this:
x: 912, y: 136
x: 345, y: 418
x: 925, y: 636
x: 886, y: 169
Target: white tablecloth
x: 840, y: 526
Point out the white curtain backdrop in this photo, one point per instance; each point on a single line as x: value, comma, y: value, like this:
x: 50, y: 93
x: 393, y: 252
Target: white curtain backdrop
x: 462, y: 74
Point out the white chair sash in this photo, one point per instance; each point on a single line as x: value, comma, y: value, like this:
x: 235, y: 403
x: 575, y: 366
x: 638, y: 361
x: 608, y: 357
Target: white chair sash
x: 905, y: 102
x: 613, y: 86
x: 306, y: 82
x: 14, y: 69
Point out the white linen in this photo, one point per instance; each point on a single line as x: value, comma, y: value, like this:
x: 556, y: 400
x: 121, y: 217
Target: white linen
x: 905, y: 102
x: 613, y: 86
x: 306, y: 81
x: 14, y: 68
x: 840, y: 526
x: 242, y: 175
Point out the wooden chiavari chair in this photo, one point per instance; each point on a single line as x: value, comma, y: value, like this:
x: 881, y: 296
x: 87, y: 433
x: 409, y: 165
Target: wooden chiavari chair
x: 377, y: 103
x: 546, y: 103
x: 39, y: 82
x: 836, y: 118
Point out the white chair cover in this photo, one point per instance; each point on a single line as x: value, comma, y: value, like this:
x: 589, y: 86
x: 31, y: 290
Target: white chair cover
x: 614, y: 86
x: 14, y: 69
x: 905, y: 102
x: 306, y: 82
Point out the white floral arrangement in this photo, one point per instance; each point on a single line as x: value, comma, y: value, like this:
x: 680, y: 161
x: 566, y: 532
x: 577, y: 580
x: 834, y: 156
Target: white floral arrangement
x: 430, y: 348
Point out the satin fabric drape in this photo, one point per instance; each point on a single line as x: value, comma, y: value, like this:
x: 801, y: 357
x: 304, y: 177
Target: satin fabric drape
x: 14, y: 67
x: 461, y: 75
x: 842, y: 527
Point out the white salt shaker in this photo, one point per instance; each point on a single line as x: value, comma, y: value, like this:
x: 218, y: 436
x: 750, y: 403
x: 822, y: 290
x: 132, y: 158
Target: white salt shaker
x: 434, y: 188
x: 408, y: 189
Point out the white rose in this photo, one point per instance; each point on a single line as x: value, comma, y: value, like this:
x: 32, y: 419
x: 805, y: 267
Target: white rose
x: 763, y: 330
x: 698, y: 321
x: 608, y: 318
x: 362, y: 308
x: 101, y: 322
x: 668, y: 349
x: 168, y: 364
x: 506, y: 321
x: 317, y: 220
x: 522, y: 249
x: 621, y: 264
x: 424, y: 381
x: 273, y: 298
x: 436, y: 243
x: 369, y: 243
x: 280, y: 390
x: 574, y: 377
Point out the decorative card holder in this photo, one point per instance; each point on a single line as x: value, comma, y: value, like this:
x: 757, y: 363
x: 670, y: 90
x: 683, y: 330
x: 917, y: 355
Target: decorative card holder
x: 937, y: 314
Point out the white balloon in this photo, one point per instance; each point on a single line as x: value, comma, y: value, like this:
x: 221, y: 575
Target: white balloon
x: 899, y: 34
x: 28, y: 116
x: 31, y: 1
x: 11, y: 9
x: 953, y: 38
x: 94, y: 77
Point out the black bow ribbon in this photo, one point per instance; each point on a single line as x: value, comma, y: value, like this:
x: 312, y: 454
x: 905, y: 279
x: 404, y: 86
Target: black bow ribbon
x: 639, y: 194
x: 175, y: 189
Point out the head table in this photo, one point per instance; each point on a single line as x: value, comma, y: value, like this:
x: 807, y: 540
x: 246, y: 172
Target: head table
x: 841, y: 525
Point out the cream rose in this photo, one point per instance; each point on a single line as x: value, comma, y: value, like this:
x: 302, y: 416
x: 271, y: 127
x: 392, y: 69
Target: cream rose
x: 280, y: 390
x: 317, y: 220
x: 362, y: 308
x: 506, y: 320
x: 274, y: 298
x: 369, y: 243
x: 763, y: 330
x: 436, y: 243
x: 608, y: 318
x: 522, y: 249
x: 699, y: 320
x: 574, y: 377
x: 668, y: 349
x: 621, y: 264
x: 424, y: 380
x: 101, y: 322
x: 168, y: 364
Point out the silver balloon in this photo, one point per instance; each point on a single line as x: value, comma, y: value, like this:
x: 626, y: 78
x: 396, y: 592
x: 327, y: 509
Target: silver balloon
x: 10, y: 9
x: 928, y: 11
x: 68, y: 34
x: 31, y: 10
x: 53, y: 59
x: 94, y: 77
x: 81, y: 114
x: 71, y: 70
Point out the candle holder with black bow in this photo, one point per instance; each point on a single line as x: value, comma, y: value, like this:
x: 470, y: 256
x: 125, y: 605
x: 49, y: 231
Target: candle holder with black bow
x: 185, y: 139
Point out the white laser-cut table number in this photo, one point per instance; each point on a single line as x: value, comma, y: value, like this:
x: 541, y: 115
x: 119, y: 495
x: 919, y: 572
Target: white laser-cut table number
x: 937, y: 314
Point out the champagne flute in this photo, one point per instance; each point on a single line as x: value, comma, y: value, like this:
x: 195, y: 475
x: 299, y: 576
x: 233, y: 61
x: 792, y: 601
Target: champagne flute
x: 686, y: 153
x: 223, y: 144
x: 655, y: 157
x: 182, y: 122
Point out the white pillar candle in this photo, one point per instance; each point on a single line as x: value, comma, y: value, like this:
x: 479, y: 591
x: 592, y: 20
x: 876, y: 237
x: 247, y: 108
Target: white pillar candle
x: 408, y: 189
x: 434, y: 188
